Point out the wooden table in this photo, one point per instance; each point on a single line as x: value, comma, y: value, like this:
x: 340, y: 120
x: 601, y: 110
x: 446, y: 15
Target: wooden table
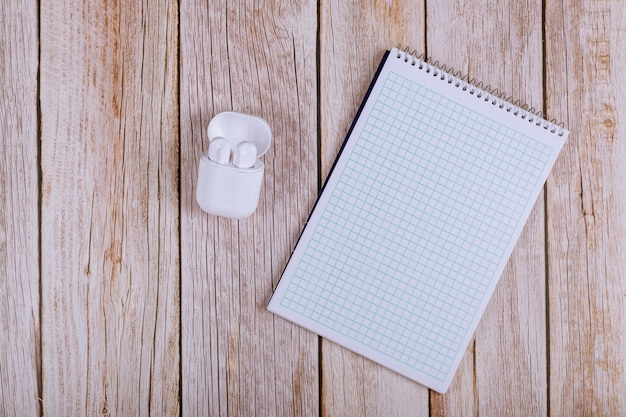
x: 119, y: 296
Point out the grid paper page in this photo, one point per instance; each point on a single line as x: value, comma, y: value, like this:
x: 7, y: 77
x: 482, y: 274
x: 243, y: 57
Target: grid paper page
x: 415, y: 229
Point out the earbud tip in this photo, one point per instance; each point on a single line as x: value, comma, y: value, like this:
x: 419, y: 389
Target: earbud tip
x: 219, y: 151
x: 244, y: 155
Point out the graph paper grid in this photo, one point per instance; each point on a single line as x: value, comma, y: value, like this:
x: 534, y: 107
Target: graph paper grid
x: 414, y: 230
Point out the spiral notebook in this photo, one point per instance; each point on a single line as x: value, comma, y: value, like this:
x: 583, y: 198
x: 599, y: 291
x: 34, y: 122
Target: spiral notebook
x: 417, y: 219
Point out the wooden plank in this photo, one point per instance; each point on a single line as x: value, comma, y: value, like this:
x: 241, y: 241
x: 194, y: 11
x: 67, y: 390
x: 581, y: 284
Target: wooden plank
x: 110, y: 250
x: 353, y: 39
x: 586, y: 52
x: 507, y: 374
x: 238, y: 359
x: 19, y: 218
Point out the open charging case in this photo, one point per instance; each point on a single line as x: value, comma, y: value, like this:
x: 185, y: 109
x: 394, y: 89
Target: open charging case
x: 225, y: 189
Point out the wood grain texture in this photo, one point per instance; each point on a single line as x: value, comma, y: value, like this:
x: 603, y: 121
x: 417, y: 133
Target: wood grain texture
x: 149, y: 306
x: 110, y: 249
x: 19, y: 218
x: 508, y: 373
x: 353, y: 39
x: 586, y: 53
x: 258, y: 58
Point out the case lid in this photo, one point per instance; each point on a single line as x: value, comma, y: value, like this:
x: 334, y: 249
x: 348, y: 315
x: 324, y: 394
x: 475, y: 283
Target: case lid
x: 237, y: 127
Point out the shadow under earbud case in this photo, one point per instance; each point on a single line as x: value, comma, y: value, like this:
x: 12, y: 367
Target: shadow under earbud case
x: 229, y: 173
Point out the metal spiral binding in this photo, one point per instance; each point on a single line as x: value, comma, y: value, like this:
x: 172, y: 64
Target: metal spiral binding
x: 474, y: 87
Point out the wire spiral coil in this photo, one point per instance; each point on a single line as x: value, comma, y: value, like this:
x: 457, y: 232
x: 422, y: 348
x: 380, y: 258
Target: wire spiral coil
x: 477, y: 89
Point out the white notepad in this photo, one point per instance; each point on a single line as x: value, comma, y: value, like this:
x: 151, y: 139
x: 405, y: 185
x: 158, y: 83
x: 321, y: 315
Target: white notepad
x: 417, y: 220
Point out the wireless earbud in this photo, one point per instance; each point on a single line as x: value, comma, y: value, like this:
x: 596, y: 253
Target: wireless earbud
x: 244, y: 155
x: 219, y: 151
x: 230, y: 174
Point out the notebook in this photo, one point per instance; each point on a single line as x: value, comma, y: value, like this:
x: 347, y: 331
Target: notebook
x: 417, y: 219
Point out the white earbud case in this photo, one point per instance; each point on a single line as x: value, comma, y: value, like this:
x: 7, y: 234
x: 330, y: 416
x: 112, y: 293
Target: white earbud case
x: 223, y: 188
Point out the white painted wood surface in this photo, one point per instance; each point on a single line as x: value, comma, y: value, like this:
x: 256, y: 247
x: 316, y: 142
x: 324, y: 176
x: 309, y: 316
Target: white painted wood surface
x: 20, y: 344
x: 238, y: 359
x: 118, y: 296
x: 109, y: 208
x: 586, y: 209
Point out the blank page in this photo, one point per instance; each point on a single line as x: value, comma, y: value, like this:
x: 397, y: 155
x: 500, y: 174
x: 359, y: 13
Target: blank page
x: 417, y: 220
